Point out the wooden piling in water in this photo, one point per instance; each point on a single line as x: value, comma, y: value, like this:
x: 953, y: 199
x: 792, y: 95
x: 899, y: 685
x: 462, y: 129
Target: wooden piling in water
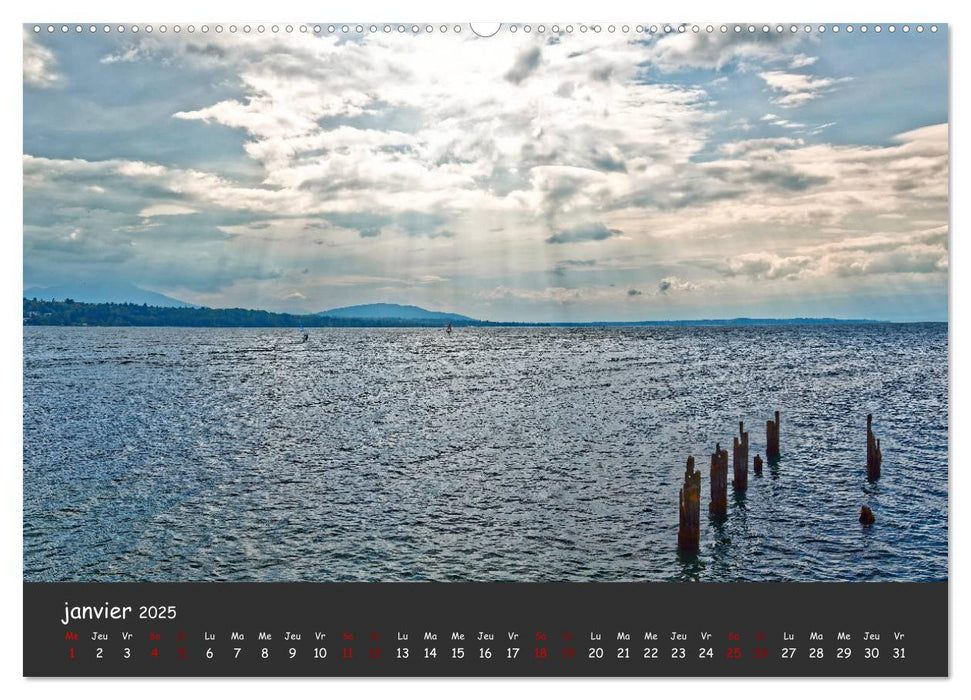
x: 740, y: 460
x: 689, y: 507
x: 873, y: 454
x: 757, y: 464
x: 772, y: 438
x: 718, y: 507
x: 866, y: 516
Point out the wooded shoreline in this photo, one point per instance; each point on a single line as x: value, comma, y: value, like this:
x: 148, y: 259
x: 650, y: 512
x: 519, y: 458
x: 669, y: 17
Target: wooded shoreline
x: 72, y: 313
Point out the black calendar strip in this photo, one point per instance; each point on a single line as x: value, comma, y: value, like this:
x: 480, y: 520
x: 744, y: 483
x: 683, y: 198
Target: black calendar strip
x: 651, y: 629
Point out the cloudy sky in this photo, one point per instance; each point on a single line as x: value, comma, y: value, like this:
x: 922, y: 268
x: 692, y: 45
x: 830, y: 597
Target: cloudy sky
x: 588, y: 176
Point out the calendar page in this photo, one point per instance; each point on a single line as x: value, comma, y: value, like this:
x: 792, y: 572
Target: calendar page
x: 521, y: 349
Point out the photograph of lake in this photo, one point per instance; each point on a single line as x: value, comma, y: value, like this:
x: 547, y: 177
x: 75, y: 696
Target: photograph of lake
x: 511, y: 454
x: 416, y: 303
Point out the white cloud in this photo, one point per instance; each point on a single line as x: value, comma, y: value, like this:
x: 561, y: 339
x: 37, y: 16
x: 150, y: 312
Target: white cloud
x: 768, y: 265
x: 797, y: 88
x: 480, y: 131
x: 736, y: 148
x: 718, y: 50
x: 801, y: 60
x: 674, y: 285
x: 39, y: 63
x: 166, y: 210
x: 130, y: 54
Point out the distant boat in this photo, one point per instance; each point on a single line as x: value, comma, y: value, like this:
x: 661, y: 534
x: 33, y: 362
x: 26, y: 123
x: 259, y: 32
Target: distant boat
x: 448, y: 328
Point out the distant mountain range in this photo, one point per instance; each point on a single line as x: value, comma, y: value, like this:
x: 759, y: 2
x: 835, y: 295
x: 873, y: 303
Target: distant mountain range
x: 105, y: 303
x: 39, y: 311
x: 103, y: 293
x: 393, y: 311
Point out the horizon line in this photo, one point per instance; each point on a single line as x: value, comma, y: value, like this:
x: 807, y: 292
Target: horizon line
x: 469, y: 320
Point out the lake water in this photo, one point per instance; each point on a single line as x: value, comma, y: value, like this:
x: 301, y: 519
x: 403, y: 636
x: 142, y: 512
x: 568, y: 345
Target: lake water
x: 515, y: 454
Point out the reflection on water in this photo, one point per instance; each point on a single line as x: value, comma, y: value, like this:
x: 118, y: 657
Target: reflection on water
x: 523, y: 454
x: 692, y: 567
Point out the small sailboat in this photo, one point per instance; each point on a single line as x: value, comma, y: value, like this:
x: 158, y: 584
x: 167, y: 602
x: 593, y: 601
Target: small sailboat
x: 448, y: 328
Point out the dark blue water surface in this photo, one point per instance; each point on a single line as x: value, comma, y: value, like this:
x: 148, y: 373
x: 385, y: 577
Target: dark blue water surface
x: 524, y: 454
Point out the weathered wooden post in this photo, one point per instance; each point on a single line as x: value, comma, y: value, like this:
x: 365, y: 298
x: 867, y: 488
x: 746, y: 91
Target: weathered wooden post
x: 740, y: 460
x: 757, y: 464
x: 718, y: 507
x: 690, y: 497
x: 866, y: 516
x: 772, y: 438
x: 873, y: 454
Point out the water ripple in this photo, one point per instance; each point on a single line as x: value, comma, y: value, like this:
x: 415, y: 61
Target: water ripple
x: 163, y: 454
